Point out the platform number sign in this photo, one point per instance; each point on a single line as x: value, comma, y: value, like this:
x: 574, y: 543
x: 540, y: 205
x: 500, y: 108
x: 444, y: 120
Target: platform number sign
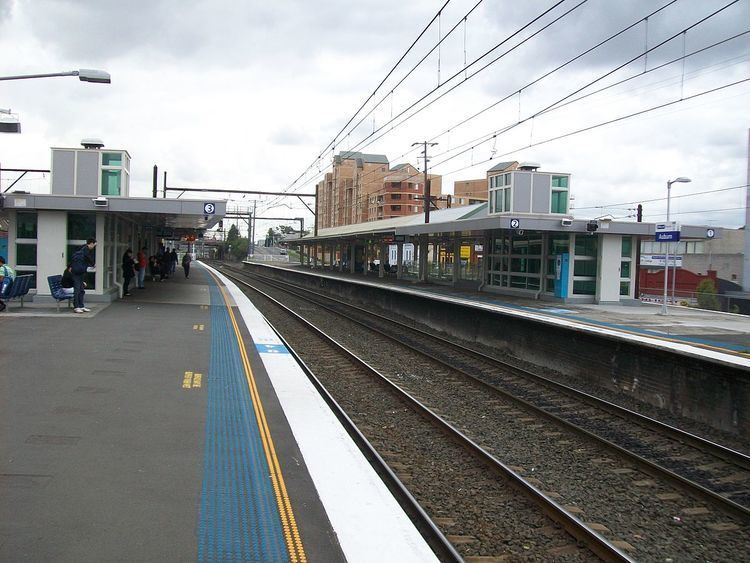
x: 209, y: 208
x: 514, y: 223
x: 710, y: 233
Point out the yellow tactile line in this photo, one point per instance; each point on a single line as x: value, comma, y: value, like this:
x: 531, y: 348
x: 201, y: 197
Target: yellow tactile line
x: 288, y: 522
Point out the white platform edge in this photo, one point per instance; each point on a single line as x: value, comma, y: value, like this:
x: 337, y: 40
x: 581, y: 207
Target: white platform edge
x: 653, y: 341
x: 369, y: 523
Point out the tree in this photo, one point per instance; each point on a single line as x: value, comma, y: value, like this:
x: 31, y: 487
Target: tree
x: 233, y: 234
x: 707, y: 295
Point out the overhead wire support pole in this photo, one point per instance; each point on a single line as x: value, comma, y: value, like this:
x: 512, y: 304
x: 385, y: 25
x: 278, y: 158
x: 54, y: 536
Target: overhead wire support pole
x: 427, y: 195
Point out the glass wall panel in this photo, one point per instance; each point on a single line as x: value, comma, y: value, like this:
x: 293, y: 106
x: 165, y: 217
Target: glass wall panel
x: 26, y: 225
x: 584, y: 268
x: 584, y: 287
x: 26, y: 254
x: 586, y: 245
x: 112, y: 159
x: 627, y: 247
x: 81, y: 226
x: 111, y: 182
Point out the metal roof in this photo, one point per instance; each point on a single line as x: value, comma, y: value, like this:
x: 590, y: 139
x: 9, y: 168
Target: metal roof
x: 370, y: 158
x: 502, y: 166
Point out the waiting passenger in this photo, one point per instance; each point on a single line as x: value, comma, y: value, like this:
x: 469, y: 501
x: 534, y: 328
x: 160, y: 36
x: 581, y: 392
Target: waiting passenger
x: 142, y: 264
x: 173, y: 261
x: 186, y: 264
x: 7, y: 275
x: 153, y: 265
x: 83, y: 259
x: 67, y: 281
x: 128, y: 270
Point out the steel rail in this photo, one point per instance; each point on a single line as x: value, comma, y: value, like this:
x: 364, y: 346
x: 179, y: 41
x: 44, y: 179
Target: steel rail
x: 644, y: 464
x: 577, y: 529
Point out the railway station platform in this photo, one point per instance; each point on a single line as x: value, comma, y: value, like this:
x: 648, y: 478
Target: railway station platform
x: 722, y: 336
x: 174, y: 425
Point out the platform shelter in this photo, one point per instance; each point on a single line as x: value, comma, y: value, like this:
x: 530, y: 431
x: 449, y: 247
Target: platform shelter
x: 523, y: 242
x: 90, y: 198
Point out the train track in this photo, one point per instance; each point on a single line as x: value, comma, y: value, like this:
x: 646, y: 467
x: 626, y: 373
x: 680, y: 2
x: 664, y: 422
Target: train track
x: 628, y: 459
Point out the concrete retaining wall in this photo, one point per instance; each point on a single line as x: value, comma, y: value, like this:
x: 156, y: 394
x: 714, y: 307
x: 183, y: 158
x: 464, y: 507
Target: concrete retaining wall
x: 703, y: 390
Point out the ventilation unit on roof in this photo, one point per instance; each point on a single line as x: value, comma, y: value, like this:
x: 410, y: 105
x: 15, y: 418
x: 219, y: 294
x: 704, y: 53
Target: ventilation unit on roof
x: 92, y: 143
x: 531, y: 166
x: 360, y: 162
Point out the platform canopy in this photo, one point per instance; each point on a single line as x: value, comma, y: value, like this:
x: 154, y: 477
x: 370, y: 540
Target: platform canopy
x: 154, y: 213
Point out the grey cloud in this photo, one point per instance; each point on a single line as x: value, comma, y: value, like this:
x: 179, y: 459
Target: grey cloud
x: 218, y: 33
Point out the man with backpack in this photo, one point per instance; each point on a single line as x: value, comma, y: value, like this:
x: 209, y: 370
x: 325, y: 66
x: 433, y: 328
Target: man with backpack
x: 81, y: 261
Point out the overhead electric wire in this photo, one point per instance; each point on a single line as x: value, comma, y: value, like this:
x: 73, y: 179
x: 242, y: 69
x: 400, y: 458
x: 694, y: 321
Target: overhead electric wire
x: 604, y: 123
x: 490, y: 137
x: 475, y: 61
x: 664, y: 198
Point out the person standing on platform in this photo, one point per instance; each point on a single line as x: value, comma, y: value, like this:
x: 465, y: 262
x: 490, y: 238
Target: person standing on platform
x: 67, y: 281
x: 7, y: 275
x: 173, y: 261
x: 82, y: 260
x: 141, y: 273
x: 128, y: 271
x: 186, y: 264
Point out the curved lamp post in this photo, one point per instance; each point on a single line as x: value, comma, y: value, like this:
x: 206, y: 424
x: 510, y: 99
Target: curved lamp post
x: 682, y: 180
x: 84, y: 75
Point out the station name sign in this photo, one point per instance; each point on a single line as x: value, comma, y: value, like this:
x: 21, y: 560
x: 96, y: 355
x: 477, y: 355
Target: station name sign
x: 667, y: 232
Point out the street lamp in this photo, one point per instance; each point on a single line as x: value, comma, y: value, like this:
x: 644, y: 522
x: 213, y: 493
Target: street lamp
x: 84, y: 75
x: 682, y: 180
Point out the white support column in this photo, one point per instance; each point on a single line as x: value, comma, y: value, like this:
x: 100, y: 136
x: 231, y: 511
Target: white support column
x: 608, y: 269
x: 50, y: 247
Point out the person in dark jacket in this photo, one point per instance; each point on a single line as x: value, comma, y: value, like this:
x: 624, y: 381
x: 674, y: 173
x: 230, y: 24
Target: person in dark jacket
x: 186, y: 264
x: 128, y: 270
x: 81, y: 261
x: 67, y: 283
x: 173, y: 262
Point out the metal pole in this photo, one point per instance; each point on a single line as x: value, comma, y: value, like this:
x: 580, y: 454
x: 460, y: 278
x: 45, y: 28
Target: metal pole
x: 156, y: 174
x: 427, y: 194
x: 674, y: 267
x: 165, y: 184
x: 666, y: 257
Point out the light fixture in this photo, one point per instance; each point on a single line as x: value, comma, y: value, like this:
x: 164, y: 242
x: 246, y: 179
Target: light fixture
x: 84, y: 74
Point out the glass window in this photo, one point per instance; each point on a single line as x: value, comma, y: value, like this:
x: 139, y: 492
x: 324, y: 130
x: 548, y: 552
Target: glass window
x: 26, y: 254
x: 624, y: 288
x: 586, y: 245
x: 397, y: 196
x: 584, y: 287
x: 559, y: 203
x: 111, y: 180
x: 559, y: 181
x: 81, y: 226
x: 627, y: 247
x: 625, y: 269
x: 25, y: 225
x: 584, y: 268
x: 112, y: 159
x: 506, y: 178
x: 395, y: 208
x: 507, y: 199
x: 558, y: 245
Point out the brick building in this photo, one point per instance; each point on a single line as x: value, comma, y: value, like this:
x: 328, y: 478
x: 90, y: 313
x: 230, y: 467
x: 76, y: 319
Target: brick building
x: 363, y: 187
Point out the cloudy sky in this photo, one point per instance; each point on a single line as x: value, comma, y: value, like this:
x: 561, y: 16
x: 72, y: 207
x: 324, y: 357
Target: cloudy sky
x: 249, y: 95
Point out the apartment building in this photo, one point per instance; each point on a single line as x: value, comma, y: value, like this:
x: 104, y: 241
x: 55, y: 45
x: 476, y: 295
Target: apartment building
x: 363, y: 187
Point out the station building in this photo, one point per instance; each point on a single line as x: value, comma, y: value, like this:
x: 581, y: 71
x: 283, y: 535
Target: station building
x: 523, y: 241
x: 90, y: 198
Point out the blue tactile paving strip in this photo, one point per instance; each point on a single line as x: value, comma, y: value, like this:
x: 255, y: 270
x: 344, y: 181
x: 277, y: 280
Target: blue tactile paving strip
x: 239, y: 516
